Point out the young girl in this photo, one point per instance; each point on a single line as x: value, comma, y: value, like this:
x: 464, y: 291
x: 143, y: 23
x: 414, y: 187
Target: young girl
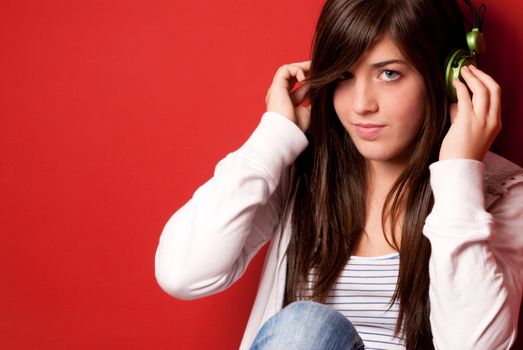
x: 390, y: 224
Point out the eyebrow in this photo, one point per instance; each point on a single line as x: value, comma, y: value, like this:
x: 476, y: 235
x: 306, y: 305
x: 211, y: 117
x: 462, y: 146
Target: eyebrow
x: 385, y: 63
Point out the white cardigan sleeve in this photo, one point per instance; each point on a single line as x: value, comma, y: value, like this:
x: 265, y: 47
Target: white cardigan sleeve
x: 477, y: 259
x: 207, y: 244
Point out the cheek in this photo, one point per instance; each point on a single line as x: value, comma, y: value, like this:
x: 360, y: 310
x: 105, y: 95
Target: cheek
x: 418, y: 110
x: 336, y: 101
x: 410, y: 107
x: 339, y: 101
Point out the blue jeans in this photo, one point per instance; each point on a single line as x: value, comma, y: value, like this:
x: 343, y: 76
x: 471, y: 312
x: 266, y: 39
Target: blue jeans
x: 307, y: 325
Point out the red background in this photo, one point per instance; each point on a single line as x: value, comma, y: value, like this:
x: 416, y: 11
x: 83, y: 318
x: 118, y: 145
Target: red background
x: 112, y: 113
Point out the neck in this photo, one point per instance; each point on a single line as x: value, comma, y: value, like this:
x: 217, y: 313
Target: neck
x: 382, y: 175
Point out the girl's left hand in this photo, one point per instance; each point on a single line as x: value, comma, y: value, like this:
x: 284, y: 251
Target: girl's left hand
x: 474, y: 122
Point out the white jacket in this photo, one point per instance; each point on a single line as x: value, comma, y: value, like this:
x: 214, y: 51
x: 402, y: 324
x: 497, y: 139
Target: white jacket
x: 476, y: 266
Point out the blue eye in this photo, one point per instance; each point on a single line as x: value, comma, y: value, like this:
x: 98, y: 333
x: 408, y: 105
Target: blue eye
x: 390, y: 75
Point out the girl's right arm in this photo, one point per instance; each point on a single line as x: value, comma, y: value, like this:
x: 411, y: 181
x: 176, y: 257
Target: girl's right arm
x: 207, y: 244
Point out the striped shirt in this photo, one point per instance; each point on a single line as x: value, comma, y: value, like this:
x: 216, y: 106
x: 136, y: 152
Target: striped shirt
x: 363, y: 293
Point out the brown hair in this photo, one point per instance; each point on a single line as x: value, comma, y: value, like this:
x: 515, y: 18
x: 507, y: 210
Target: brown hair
x: 329, y: 181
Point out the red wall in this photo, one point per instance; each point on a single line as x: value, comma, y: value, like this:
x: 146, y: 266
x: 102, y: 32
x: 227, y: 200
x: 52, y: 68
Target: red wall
x: 112, y: 113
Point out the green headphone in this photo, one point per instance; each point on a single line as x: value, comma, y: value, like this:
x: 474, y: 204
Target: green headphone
x: 461, y: 57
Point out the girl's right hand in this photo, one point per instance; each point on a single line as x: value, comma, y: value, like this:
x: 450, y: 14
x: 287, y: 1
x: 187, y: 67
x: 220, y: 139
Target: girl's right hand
x: 282, y: 99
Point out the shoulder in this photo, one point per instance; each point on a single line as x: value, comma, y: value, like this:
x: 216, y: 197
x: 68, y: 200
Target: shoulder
x: 501, y: 175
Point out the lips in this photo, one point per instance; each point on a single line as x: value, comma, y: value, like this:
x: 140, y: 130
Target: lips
x: 369, y: 131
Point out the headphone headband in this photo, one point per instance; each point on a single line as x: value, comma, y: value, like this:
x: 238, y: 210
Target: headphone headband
x: 478, y: 14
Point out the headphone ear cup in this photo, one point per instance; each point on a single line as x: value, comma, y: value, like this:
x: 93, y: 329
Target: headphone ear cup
x: 455, y: 60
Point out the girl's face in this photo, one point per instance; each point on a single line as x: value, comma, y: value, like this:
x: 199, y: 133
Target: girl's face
x: 380, y: 102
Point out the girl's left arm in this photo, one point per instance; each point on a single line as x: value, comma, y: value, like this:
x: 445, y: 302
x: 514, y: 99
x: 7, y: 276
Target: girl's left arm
x: 477, y: 255
x: 476, y: 274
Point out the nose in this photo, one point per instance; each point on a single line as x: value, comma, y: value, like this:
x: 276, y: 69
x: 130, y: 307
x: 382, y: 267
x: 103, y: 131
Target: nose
x: 364, y: 99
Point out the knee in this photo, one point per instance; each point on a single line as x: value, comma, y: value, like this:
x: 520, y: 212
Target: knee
x: 310, y: 319
x: 307, y: 325
x: 313, y: 316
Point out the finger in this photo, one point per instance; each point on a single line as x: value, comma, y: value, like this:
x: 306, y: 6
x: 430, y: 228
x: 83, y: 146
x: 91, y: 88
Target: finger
x: 453, y: 111
x: 300, y: 75
x: 464, y: 103
x: 303, y: 116
x: 480, y: 93
x: 286, y: 76
x: 487, y: 79
x: 305, y: 65
x: 302, y: 71
x: 495, y: 91
x: 299, y: 95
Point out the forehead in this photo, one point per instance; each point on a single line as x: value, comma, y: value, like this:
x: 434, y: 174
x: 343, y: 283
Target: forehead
x: 383, y: 49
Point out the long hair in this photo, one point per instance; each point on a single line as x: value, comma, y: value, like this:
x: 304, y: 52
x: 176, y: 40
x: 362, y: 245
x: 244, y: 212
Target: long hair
x: 329, y: 190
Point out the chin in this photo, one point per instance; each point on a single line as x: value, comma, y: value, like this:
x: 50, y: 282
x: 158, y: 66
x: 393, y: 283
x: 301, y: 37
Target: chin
x: 383, y: 154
